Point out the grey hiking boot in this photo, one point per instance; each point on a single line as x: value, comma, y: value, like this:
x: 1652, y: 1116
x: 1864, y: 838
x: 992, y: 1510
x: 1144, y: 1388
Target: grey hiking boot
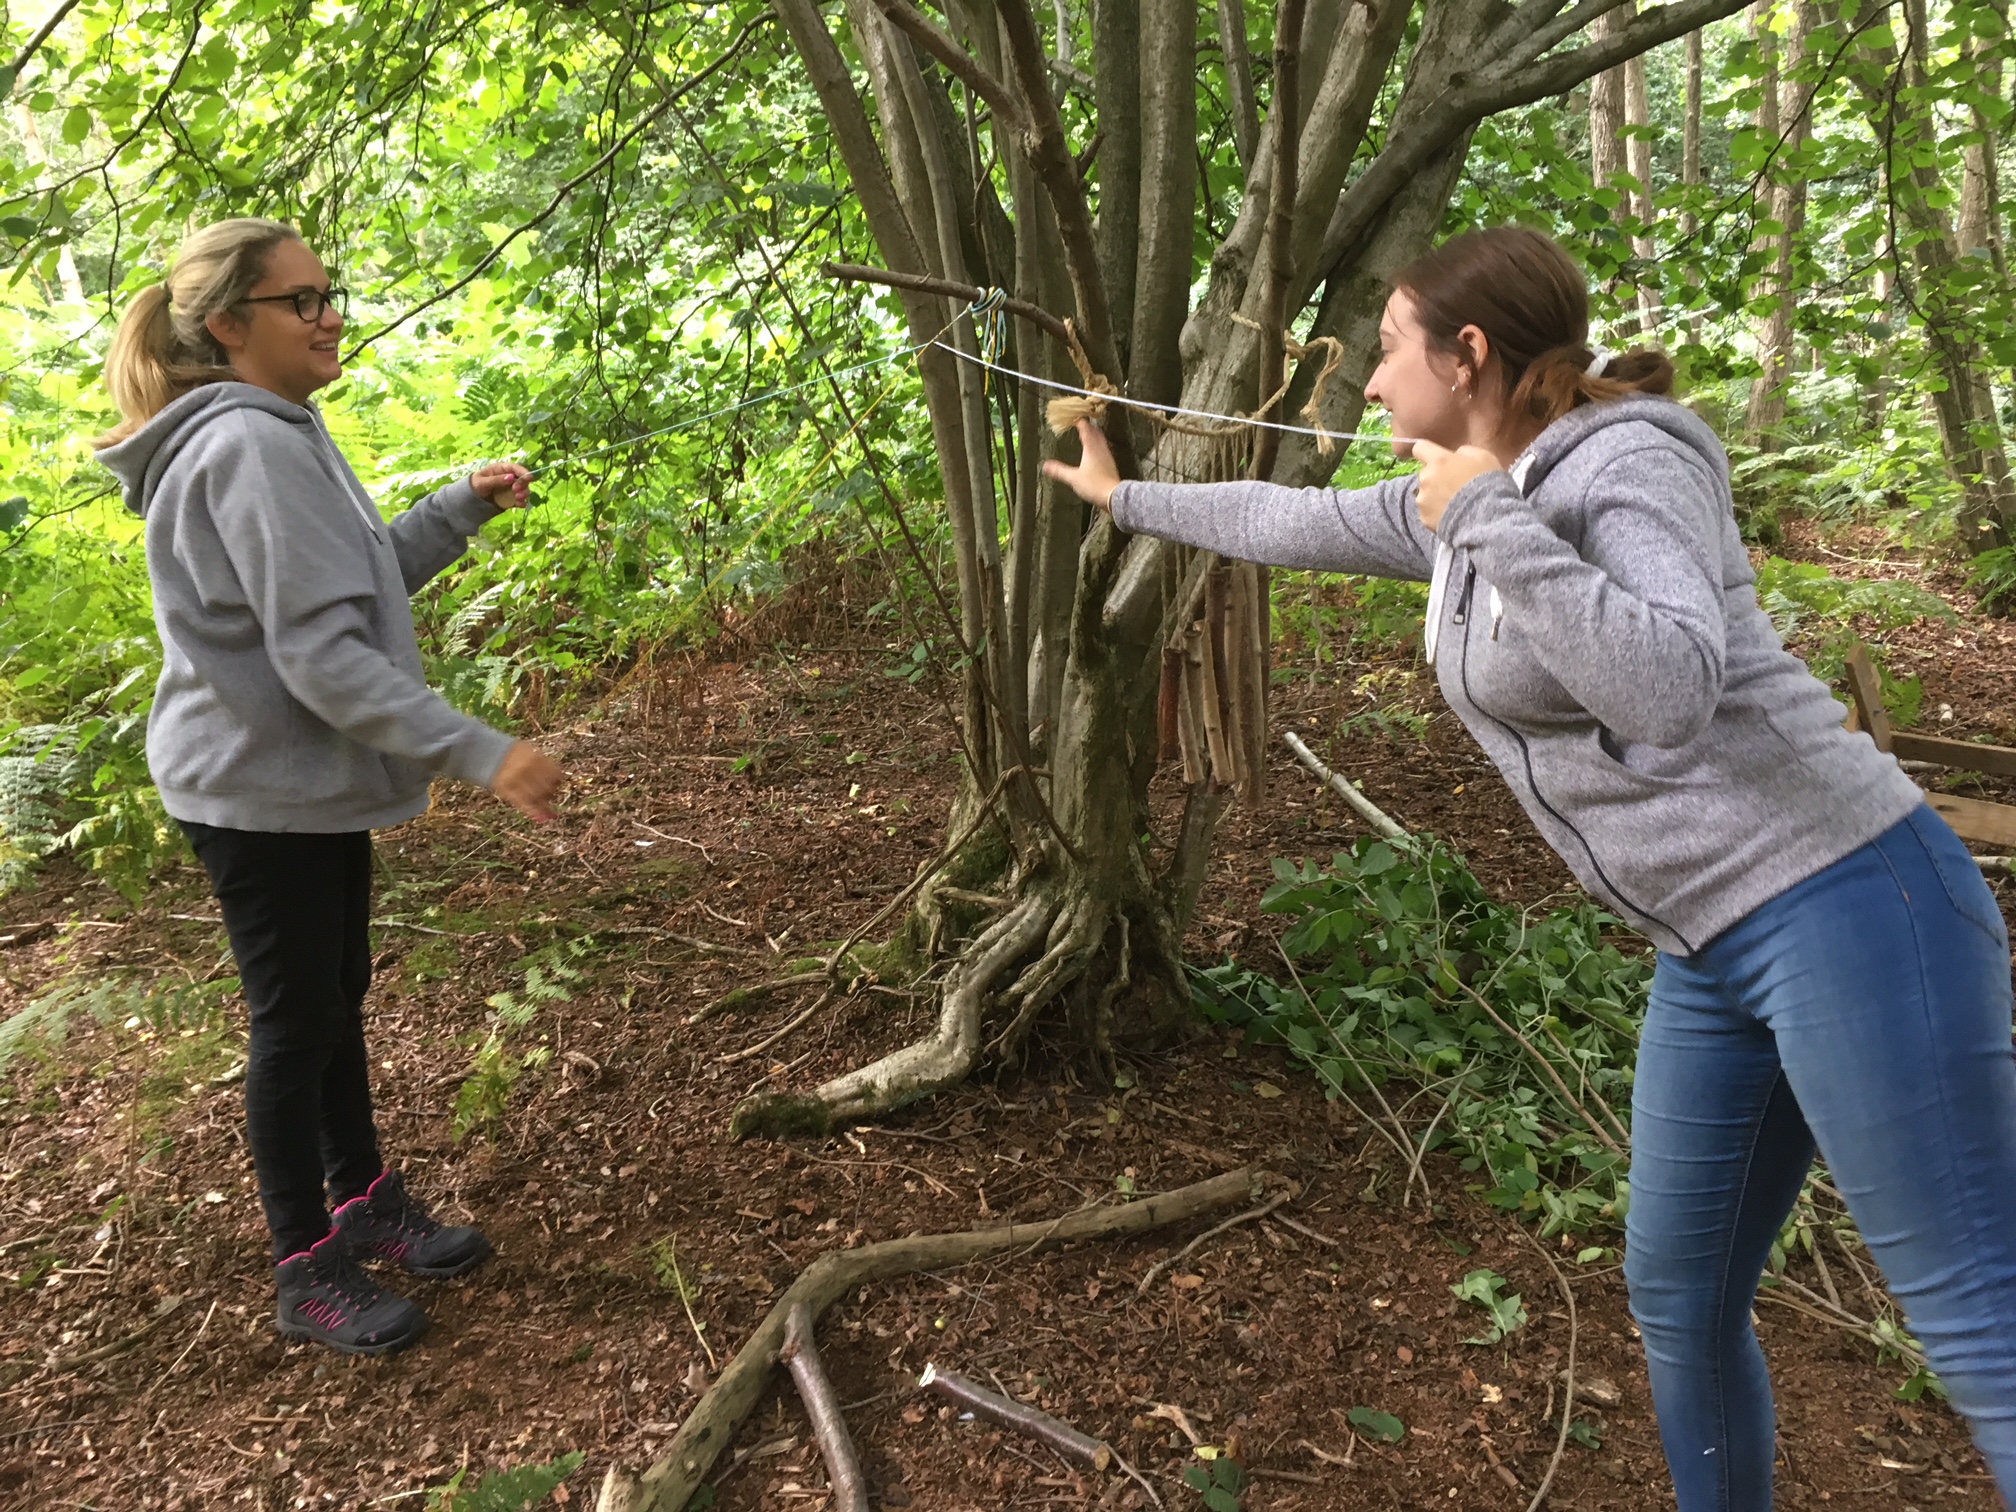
x: 387, y: 1223
x: 326, y: 1298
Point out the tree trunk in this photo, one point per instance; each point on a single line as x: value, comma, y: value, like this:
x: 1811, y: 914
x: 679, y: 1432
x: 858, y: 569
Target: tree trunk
x: 1937, y: 288
x: 1785, y: 198
x: 1638, y: 162
x: 1690, y: 169
x: 1053, y: 817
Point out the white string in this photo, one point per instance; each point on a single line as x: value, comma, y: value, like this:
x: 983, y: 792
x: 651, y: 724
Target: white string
x: 980, y: 308
x: 1172, y: 409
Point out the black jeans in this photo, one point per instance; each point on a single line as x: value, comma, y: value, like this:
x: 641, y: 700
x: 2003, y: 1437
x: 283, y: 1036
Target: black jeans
x: 297, y: 908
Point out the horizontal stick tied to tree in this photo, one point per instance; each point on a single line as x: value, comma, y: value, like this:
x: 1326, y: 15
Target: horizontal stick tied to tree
x: 671, y: 1481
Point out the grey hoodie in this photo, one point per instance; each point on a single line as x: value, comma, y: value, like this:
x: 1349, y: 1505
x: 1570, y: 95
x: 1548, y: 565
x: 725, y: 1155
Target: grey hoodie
x: 1686, y: 767
x: 291, y: 694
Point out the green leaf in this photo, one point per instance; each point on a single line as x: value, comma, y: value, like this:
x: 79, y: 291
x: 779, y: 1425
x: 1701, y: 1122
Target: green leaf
x: 1383, y: 1426
x: 76, y: 125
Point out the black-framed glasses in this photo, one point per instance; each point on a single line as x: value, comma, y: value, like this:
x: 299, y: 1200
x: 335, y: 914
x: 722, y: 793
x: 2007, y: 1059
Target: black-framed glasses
x: 309, y: 304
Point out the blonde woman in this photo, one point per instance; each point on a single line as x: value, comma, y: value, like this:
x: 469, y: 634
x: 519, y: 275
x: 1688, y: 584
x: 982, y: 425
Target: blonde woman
x: 291, y: 720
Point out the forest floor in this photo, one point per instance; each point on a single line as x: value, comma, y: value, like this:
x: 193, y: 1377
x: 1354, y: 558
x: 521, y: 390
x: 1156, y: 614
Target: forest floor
x: 761, y: 805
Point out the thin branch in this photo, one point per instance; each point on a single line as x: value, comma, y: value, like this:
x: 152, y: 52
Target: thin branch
x: 924, y: 284
x: 34, y: 43
x: 1250, y: 1215
x: 566, y: 190
x: 1568, y: 1393
x: 964, y: 66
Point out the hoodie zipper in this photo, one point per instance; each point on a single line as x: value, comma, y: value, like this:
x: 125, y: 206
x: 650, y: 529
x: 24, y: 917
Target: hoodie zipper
x: 1533, y: 782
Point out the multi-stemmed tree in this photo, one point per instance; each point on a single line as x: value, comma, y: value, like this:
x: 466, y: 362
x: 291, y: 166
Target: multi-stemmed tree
x: 1068, y: 177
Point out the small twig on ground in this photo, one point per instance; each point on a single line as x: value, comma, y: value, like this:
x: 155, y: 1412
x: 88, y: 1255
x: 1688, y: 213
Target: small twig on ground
x: 1155, y: 1271
x: 127, y: 1341
x: 691, y: 942
x: 775, y: 1035
x: 744, y: 994
x: 170, y: 1371
x: 709, y: 908
x: 1029, y: 1421
x: 1366, y: 809
x: 1568, y: 1396
x: 1306, y: 1232
x: 829, y: 1427
x: 680, y: 839
x: 1300, y: 1477
x: 1498, y: 1466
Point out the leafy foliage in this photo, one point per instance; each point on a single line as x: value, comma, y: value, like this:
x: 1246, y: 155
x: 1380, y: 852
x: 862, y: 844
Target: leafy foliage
x: 1383, y: 943
x: 1506, y: 1312
x: 1221, y: 1481
x: 512, y: 1490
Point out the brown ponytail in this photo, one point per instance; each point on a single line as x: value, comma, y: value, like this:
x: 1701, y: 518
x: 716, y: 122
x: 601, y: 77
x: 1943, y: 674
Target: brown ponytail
x: 163, y: 347
x: 1532, y: 303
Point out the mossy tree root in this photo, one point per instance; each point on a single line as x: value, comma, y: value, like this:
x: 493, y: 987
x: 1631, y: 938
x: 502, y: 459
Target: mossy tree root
x: 942, y: 1059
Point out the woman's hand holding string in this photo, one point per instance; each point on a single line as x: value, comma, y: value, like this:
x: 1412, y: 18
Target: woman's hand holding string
x: 1444, y: 471
x: 527, y: 780
x: 504, y: 484
x: 1095, y: 477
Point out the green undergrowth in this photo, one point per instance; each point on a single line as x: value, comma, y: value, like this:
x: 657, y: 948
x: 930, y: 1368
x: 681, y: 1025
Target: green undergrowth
x: 1381, y: 946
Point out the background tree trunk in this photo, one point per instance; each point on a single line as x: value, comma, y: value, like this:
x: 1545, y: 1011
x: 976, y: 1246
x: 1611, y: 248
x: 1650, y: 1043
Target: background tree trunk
x: 1786, y: 201
x: 1935, y: 290
x: 1690, y: 166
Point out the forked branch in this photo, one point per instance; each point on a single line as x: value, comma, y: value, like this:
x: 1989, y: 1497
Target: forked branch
x: 670, y: 1482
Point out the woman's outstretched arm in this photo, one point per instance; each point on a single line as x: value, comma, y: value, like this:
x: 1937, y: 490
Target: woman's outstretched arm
x: 1374, y: 530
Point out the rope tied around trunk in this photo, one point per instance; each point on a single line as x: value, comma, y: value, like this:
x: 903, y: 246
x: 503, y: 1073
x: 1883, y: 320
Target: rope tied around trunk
x: 1067, y: 410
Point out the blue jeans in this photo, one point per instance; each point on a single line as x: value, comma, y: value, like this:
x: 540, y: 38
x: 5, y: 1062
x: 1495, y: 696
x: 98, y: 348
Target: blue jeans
x: 1868, y: 1008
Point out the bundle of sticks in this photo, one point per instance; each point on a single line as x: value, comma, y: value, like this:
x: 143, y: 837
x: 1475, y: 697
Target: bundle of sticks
x: 1213, y: 709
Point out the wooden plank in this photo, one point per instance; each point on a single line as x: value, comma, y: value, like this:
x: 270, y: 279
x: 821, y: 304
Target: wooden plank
x: 1865, y: 689
x: 1998, y: 761
x: 1975, y: 819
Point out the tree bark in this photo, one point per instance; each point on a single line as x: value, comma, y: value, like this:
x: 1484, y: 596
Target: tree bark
x: 1116, y: 59
x: 1638, y: 162
x: 1785, y: 198
x: 1232, y: 38
x: 1963, y: 405
x: 1165, y: 261
x: 1690, y: 168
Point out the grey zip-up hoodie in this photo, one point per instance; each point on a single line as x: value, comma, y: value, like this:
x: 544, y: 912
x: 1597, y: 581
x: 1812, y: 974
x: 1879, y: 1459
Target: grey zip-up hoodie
x: 1637, y: 700
x: 291, y: 694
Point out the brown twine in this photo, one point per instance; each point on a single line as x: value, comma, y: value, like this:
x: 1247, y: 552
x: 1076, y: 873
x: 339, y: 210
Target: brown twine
x: 1065, y: 411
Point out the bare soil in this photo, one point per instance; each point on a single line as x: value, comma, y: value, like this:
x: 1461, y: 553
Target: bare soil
x: 760, y: 807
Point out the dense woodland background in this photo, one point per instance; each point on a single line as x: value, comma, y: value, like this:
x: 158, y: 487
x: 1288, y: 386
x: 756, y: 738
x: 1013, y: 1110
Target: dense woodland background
x: 775, y: 602
x: 565, y: 226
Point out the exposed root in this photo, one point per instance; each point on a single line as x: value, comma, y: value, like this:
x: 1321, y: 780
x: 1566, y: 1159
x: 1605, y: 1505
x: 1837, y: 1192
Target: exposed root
x: 775, y: 1035
x: 1075, y: 939
x: 942, y: 1059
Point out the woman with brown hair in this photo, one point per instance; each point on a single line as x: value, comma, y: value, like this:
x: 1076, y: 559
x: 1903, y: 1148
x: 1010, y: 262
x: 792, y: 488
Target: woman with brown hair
x: 292, y: 719
x: 1831, y: 965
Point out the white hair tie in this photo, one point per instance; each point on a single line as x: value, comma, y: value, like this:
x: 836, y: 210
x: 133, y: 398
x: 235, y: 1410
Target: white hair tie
x: 1597, y: 364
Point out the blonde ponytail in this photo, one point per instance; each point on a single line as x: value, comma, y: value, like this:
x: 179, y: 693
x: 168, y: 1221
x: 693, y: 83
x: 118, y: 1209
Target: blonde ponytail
x: 163, y: 347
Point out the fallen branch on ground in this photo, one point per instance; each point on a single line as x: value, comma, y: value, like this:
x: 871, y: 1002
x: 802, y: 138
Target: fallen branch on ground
x: 1029, y: 1421
x: 674, y: 1477
x: 1366, y: 809
x: 829, y: 1427
x: 1568, y: 1395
